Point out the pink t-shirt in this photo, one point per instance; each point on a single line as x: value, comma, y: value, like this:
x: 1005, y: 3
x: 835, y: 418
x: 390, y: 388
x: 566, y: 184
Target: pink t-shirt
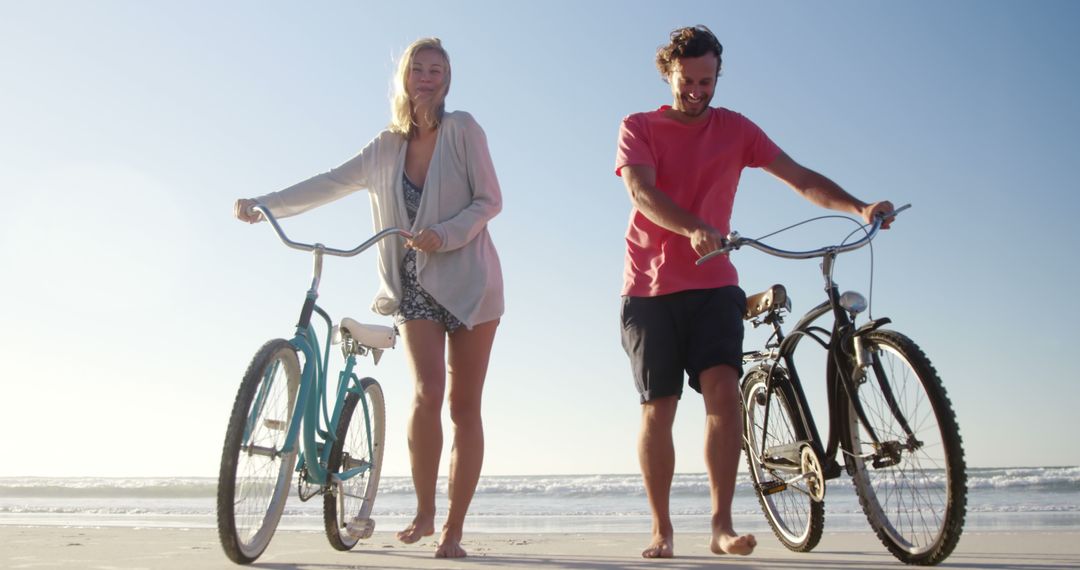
x: 698, y: 167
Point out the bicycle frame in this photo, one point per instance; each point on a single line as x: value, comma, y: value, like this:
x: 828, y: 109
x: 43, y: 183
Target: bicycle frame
x: 843, y: 353
x: 839, y: 378
x: 317, y: 426
x: 313, y: 425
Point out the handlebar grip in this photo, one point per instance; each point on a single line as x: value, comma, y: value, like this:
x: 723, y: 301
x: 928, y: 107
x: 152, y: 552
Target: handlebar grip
x: 729, y: 243
x: 260, y: 210
x: 894, y: 212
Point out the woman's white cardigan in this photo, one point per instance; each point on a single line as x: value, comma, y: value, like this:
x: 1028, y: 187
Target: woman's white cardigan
x: 461, y: 193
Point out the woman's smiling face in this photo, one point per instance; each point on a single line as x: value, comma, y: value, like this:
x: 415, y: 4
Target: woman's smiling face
x: 426, y: 84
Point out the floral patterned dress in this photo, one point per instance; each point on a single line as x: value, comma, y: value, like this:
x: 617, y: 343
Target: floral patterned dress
x: 416, y: 303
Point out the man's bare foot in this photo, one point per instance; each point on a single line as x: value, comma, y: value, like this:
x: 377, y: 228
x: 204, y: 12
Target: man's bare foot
x: 731, y: 543
x: 421, y: 526
x: 661, y: 547
x: 450, y: 545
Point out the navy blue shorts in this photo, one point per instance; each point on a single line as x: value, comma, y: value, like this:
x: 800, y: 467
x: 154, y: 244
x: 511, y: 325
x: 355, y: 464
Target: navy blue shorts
x: 685, y: 332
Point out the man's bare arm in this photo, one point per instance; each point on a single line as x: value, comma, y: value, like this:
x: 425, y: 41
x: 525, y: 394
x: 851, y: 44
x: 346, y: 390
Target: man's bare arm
x: 660, y: 209
x: 820, y: 190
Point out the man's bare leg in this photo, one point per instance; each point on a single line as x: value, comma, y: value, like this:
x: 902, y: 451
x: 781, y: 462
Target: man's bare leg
x: 656, y: 453
x: 723, y: 442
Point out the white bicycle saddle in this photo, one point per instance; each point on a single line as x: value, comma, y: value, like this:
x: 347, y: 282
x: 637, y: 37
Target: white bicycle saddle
x: 371, y: 336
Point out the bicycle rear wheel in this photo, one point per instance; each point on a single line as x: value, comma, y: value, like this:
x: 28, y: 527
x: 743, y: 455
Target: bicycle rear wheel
x: 912, y: 489
x: 359, y: 445
x: 254, y: 480
x: 795, y: 518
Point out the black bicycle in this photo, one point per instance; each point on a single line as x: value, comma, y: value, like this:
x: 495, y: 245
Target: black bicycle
x: 890, y: 421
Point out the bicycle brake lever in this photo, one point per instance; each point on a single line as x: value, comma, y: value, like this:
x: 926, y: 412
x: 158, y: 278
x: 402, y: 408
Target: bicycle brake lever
x: 709, y: 256
x: 727, y: 245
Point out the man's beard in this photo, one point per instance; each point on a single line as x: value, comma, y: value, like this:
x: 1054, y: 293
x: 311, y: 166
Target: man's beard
x: 685, y: 106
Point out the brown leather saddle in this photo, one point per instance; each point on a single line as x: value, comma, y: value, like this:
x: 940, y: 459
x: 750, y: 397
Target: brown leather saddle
x: 774, y: 297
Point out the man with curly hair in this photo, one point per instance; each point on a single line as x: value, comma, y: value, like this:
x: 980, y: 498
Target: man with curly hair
x: 681, y: 166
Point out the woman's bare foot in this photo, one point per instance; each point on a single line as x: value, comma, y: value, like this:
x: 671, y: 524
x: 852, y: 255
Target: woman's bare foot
x: 450, y: 545
x: 421, y: 526
x: 731, y: 543
x: 661, y: 547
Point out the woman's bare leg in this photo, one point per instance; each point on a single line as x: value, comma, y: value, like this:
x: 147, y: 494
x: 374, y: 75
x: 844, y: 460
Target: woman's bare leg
x: 470, y: 352
x: 424, y: 348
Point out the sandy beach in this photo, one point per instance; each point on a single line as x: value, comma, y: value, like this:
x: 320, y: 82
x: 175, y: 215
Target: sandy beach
x: 125, y: 548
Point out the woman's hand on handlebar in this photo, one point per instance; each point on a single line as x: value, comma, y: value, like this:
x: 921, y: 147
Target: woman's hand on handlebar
x: 427, y: 240
x: 879, y: 209
x: 243, y: 212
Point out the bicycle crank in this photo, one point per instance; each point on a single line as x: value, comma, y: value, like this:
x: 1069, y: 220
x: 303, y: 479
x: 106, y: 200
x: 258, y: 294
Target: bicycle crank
x: 813, y: 474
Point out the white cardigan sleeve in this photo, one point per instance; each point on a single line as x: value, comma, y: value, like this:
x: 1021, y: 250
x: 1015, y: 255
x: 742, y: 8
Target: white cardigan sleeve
x: 323, y: 188
x: 483, y: 184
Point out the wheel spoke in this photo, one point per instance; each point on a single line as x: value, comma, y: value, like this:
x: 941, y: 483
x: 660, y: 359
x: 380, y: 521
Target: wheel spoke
x: 794, y: 517
x: 359, y: 444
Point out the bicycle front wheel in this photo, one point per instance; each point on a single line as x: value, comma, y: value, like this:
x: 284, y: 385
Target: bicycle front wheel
x: 255, y: 475
x: 357, y: 453
x: 912, y: 482
x: 795, y: 518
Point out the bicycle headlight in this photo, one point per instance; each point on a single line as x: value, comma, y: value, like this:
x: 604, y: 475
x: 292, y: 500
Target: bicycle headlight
x: 853, y: 302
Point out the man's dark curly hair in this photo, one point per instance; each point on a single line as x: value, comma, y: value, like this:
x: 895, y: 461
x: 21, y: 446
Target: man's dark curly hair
x: 694, y: 41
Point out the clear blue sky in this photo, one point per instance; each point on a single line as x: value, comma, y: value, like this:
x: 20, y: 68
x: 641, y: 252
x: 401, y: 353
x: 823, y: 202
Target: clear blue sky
x: 131, y: 301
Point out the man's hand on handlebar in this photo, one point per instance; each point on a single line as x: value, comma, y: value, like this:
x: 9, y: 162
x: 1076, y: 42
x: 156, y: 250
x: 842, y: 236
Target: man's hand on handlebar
x: 706, y: 240
x: 243, y: 212
x: 879, y: 208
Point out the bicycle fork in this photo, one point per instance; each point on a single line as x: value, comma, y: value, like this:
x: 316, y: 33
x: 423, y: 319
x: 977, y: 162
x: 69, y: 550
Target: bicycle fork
x: 863, y: 359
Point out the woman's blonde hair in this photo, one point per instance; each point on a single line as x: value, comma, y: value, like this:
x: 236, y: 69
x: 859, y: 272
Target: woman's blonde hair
x: 401, y: 112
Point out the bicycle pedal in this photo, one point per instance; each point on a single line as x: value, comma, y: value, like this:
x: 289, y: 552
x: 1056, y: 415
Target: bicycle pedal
x: 771, y: 487
x: 360, y: 528
x: 883, y: 462
x: 278, y: 425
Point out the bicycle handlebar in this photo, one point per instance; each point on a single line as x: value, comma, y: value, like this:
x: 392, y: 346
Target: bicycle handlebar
x: 318, y: 246
x: 735, y: 241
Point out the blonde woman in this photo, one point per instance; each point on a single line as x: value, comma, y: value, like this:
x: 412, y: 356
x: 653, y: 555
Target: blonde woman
x: 429, y: 171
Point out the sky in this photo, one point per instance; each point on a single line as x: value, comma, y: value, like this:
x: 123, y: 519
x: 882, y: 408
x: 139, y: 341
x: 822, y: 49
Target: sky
x: 132, y: 301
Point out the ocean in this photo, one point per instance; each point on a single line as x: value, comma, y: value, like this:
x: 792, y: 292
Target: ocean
x: 1023, y: 498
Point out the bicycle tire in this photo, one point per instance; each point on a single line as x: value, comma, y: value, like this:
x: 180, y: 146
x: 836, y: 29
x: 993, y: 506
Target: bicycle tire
x: 352, y: 448
x: 795, y: 519
x: 254, y: 480
x: 915, y: 499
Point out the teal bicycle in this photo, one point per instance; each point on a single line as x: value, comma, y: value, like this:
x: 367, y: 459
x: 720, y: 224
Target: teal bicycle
x: 286, y: 421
